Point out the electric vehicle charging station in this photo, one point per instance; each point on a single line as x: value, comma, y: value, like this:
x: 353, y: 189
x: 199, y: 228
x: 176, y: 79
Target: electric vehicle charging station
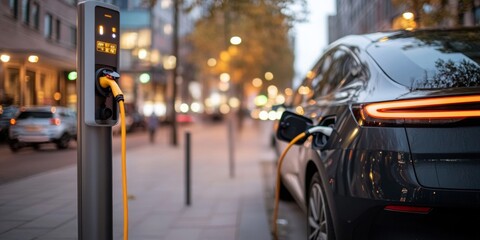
x: 98, y: 37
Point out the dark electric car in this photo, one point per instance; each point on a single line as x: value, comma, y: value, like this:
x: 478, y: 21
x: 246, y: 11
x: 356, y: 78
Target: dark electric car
x: 403, y: 160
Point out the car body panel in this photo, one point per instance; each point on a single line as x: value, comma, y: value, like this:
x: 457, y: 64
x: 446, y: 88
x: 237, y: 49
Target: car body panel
x: 446, y: 157
x: 363, y: 167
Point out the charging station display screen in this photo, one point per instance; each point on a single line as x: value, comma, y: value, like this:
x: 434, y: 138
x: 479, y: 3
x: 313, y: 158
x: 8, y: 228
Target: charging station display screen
x: 105, y: 47
x: 106, y: 36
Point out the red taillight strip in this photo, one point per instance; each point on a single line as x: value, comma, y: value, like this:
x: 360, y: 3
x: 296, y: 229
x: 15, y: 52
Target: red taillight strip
x: 408, y: 209
x: 408, y: 108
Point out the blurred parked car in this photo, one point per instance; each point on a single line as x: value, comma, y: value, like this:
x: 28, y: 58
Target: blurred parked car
x: 6, y: 113
x: 185, y: 118
x: 403, y: 160
x: 33, y: 126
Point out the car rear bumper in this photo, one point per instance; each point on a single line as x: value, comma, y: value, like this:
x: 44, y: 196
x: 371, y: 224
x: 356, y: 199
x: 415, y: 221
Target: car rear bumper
x: 34, y: 139
x: 377, y: 179
x: 369, y: 219
x: 45, y: 135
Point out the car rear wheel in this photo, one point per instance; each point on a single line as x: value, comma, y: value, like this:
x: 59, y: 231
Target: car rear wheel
x: 14, y: 145
x: 62, y: 143
x: 319, y: 220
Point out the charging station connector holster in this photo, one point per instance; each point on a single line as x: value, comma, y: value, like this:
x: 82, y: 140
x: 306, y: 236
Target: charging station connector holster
x: 106, y: 109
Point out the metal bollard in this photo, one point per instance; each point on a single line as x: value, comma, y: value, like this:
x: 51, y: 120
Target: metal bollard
x: 187, y: 168
x: 231, y: 148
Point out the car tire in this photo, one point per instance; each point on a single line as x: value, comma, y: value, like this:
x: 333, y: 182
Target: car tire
x: 319, y: 221
x: 14, y: 145
x: 63, y: 141
x: 36, y: 147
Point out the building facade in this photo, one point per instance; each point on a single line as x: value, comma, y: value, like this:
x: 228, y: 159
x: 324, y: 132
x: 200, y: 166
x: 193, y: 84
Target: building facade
x: 366, y: 16
x: 37, y: 50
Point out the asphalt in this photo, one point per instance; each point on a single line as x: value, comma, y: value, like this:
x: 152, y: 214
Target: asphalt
x: 223, y: 207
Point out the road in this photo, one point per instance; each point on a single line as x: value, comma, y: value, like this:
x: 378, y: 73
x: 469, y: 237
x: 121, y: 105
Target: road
x: 28, y: 162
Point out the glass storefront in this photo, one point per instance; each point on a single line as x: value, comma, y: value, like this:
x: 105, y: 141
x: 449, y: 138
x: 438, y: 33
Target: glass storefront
x: 12, y: 86
x: 27, y: 86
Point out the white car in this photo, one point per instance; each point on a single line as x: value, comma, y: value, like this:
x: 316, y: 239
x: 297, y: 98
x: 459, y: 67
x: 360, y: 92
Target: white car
x: 33, y: 126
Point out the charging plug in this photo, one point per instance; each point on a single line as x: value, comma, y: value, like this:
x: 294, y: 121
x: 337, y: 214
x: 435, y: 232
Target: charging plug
x: 108, y: 79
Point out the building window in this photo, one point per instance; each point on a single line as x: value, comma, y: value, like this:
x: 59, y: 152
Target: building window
x: 477, y: 16
x: 36, y: 15
x: 71, y: 2
x: 73, y: 36
x: 26, y: 11
x: 30, y: 96
x: 48, y: 26
x: 58, y: 32
x: 12, y: 85
x: 13, y: 4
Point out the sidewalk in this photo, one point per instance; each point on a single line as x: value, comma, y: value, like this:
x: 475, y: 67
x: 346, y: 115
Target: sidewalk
x: 44, y: 206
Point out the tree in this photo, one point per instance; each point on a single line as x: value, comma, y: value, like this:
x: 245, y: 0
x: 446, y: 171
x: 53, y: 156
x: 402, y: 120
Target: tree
x: 266, y: 45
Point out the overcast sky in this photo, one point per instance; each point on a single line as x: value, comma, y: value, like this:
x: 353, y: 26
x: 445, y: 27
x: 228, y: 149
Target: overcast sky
x: 312, y: 36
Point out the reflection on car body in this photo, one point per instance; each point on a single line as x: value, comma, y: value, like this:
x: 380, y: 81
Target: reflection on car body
x: 404, y: 158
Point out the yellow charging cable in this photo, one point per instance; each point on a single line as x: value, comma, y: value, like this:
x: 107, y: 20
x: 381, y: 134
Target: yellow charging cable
x: 106, y: 82
x: 318, y: 129
x: 277, y: 186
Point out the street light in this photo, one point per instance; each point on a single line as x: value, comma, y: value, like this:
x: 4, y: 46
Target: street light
x: 404, y: 21
x: 5, y: 58
x: 144, y: 78
x: 272, y: 91
x: 257, y: 82
x: 408, y: 15
x: 142, y: 53
x: 225, y: 77
x: 235, y: 40
x: 268, y: 76
x: 169, y: 62
x: 33, y: 58
x: 212, y: 62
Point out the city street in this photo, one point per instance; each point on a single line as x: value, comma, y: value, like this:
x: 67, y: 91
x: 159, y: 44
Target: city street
x: 28, y: 162
x: 376, y: 102
x: 43, y: 205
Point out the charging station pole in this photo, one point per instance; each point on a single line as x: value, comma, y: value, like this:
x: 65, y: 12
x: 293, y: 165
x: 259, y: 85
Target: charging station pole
x: 98, y: 36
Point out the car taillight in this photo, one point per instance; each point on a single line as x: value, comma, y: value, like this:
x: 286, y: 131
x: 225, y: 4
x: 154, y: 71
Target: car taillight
x: 408, y: 209
x: 438, y: 110
x: 13, y: 121
x: 55, y: 121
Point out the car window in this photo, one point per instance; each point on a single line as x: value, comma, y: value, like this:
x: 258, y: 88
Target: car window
x: 62, y: 114
x: 304, y: 91
x: 430, y: 59
x: 350, y: 68
x: 299, y: 95
x: 8, y: 113
x: 322, y: 68
x: 34, y: 114
x: 331, y: 76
